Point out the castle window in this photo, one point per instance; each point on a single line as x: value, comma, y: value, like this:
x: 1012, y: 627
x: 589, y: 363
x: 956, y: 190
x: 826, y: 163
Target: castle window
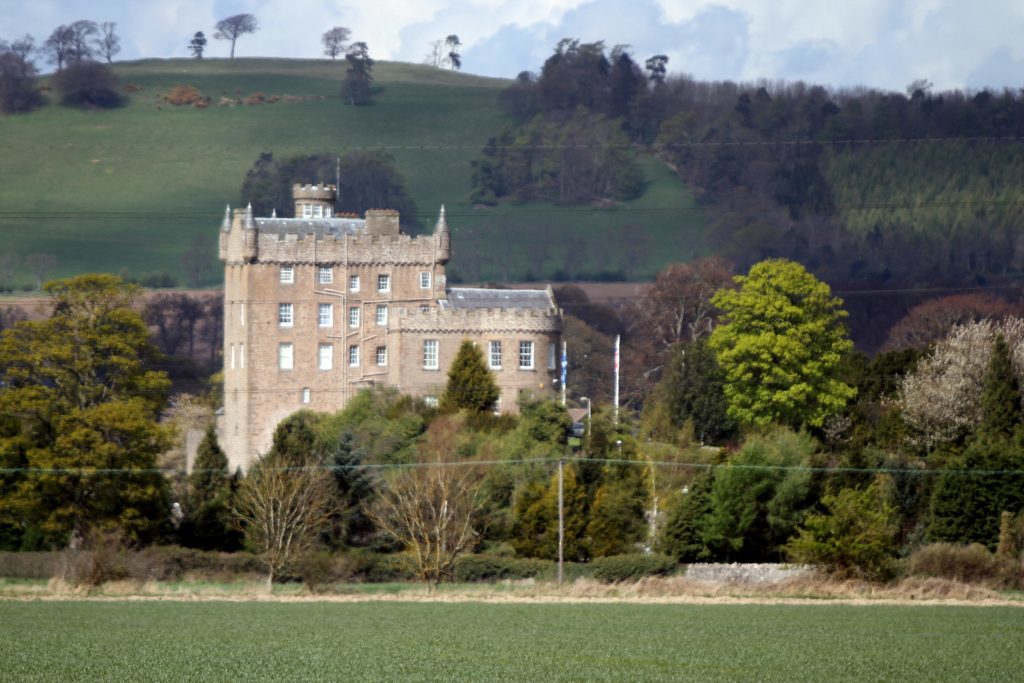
x: 325, y: 356
x: 382, y: 314
x: 232, y: 366
x: 305, y: 396
x: 353, y: 356
x: 287, y: 275
x: 325, y: 275
x: 552, y: 352
x: 318, y: 211
x: 326, y: 315
x: 526, y: 355
x: 431, y: 401
x: 382, y: 356
x: 494, y: 354
x: 497, y: 406
x: 241, y: 314
x: 327, y: 212
x: 307, y: 210
x: 353, y: 283
x: 286, y: 356
x: 383, y: 283
x: 430, y: 354
x: 285, y: 317
x: 424, y: 279
x: 241, y: 356
x: 353, y: 316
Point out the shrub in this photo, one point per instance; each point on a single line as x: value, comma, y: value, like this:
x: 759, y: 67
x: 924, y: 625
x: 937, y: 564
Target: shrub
x: 27, y: 565
x: 87, y: 84
x: 474, y: 568
x: 632, y: 566
x: 972, y: 563
x: 381, y: 567
x: 182, y: 95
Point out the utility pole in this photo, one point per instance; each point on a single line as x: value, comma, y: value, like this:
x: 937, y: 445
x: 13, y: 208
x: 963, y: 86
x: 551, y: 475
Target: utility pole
x: 615, y: 399
x: 561, y: 523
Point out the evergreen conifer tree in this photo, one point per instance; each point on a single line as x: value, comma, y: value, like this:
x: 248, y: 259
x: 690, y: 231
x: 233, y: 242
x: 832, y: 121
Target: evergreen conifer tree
x: 1000, y: 397
x: 470, y: 384
x: 209, y: 525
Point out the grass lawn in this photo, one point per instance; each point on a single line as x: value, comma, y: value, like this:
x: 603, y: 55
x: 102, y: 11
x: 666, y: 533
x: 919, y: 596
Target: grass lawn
x: 132, y: 188
x: 477, y: 641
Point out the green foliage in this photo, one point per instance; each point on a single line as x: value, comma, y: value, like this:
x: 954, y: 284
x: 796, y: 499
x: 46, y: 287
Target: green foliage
x: 535, y: 530
x: 208, y: 524
x: 295, y: 440
x: 975, y: 488
x: 1000, y: 395
x: 780, y: 344
x: 356, y: 88
x: 85, y: 411
x: 574, y: 159
x: 633, y: 566
x: 691, y: 390
x: 545, y: 421
x: 681, y: 536
x: 478, y: 568
x: 758, y: 498
x: 855, y: 537
x: 471, y: 386
x: 617, y: 524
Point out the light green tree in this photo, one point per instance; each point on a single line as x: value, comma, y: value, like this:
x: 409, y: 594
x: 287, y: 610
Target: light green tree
x: 82, y: 411
x: 470, y: 384
x: 780, y: 345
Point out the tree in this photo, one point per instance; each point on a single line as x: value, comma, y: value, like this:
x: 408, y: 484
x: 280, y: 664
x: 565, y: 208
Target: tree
x: 681, y: 536
x: 617, y: 522
x: 856, y: 536
x: 334, y: 41
x: 356, y: 89
x: 471, y: 386
x: 197, y: 45
x: 454, y: 58
x: 781, y: 346
x: 656, y: 68
x: 84, y: 407
x: 208, y: 524
x: 70, y: 43
x: 931, y: 321
x: 18, y: 86
x: 1000, y: 393
x: 40, y: 264
x: 535, y: 531
x: 107, y: 42
x: 432, y: 509
x: 282, y: 507
x: 677, y: 306
x: 85, y: 83
x: 235, y: 26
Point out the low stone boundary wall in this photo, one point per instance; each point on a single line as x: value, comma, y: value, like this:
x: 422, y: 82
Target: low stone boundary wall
x: 746, y: 573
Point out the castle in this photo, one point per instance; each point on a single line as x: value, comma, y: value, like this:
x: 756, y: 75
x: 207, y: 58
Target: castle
x: 320, y: 306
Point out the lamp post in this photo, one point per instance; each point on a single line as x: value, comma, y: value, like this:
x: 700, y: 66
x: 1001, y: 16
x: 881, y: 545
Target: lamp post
x: 586, y: 434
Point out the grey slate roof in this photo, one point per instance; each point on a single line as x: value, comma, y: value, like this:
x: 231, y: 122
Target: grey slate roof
x: 476, y: 297
x: 305, y: 226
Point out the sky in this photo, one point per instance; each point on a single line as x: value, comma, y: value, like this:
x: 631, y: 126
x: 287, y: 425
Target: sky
x: 840, y: 43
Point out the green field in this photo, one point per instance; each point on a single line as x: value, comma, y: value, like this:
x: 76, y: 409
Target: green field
x: 476, y: 641
x: 131, y: 188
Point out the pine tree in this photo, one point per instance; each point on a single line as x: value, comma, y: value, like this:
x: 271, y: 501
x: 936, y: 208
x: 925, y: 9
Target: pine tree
x: 209, y: 525
x: 470, y: 384
x: 1000, y: 397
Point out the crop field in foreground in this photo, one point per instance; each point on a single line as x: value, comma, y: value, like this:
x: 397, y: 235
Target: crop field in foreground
x: 376, y: 640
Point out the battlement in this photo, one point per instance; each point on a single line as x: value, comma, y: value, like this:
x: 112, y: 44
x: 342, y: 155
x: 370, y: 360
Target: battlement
x: 354, y: 249
x: 317, y: 192
x: 479, y: 320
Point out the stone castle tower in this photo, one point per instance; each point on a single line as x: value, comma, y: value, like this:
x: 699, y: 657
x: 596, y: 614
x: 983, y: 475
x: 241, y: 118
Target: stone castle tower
x: 320, y: 306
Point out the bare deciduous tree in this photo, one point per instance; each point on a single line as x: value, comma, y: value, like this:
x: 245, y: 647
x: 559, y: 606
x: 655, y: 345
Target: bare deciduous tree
x: 677, y: 307
x: 282, y: 510
x: 334, y: 41
x: 235, y: 26
x: 433, y: 508
x: 107, y: 42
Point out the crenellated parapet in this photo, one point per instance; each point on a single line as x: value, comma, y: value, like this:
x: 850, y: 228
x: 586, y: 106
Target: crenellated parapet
x: 354, y: 250
x: 478, y: 320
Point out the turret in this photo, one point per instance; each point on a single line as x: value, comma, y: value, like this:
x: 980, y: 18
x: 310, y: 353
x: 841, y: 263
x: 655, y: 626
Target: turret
x: 443, y: 237
x: 314, y: 201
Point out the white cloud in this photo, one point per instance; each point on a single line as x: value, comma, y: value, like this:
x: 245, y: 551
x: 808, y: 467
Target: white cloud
x: 885, y: 43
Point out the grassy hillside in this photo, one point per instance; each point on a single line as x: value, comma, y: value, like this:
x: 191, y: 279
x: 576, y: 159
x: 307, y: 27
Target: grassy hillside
x: 131, y: 189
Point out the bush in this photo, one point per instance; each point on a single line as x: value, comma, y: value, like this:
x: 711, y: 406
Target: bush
x: 184, y: 95
x: 28, y: 565
x: 380, y: 567
x: 967, y: 563
x: 87, y: 84
x: 477, y: 568
x: 632, y: 567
